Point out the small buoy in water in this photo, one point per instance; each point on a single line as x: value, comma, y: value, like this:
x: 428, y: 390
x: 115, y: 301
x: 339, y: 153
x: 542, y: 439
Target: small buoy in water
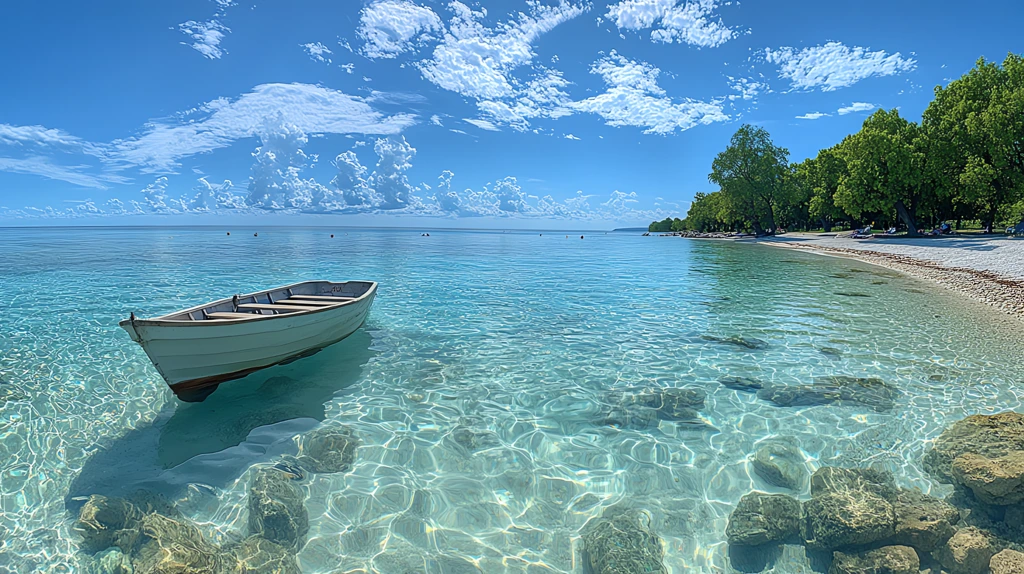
x: 542, y: 235
x: 581, y: 237
x: 255, y: 234
x: 229, y: 233
x: 332, y: 236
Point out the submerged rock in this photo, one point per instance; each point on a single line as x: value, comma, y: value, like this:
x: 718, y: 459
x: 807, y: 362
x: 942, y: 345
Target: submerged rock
x: 991, y: 436
x: 1007, y: 562
x: 922, y: 521
x: 329, y: 449
x: 176, y: 547
x: 762, y: 518
x: 112, y: 561
x: 276, y: 509
x: 885, y: 560
x: 839, y: 390
x: 257, y: 555
x: 831, y: 352
x: 780, y: 464
x: 998, y: 480
x: 967, y: 552
x: 743, y: 384
x: 738, y: 341
x: 473, y: 440
x: 835, y: 520
x: 834, y: 479
x: 105, y: 522
x: 621, y: 542
x: 643, y: 408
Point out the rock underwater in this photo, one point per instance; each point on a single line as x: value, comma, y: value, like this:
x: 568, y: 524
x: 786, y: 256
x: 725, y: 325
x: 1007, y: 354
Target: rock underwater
x: 622, y: 542
x: 276, y: 508
x: 761, y: 518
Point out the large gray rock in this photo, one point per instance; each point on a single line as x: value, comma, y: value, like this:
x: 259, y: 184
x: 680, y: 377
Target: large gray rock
x: 837, y: 390
x: 991, y: 436
x: 781, y: 464
x: 997, y: 480
x: 329, y: 449
x: 967, y: 552
x: 171, y: 546
x: 1007, y: 562
x: 621, y: 542
x: 257, y: 555
x: 276, y: 508
x: 763, y: 518
x: 833, y: 521
x: 833, y: 479
x: 923, y: 522
x: 885, y: 560
x: 105, y: 522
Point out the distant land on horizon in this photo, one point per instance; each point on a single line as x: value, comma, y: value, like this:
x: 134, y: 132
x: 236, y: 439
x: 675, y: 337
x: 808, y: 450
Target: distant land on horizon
x: 630, y: 229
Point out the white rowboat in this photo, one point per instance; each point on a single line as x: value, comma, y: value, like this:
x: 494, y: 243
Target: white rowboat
x: 196, y: 349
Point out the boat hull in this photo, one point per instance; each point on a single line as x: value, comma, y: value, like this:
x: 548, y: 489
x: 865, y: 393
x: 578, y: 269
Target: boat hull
x: 194, y: 357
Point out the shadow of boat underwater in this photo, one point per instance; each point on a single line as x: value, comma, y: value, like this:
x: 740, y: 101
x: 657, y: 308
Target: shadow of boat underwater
x: 212, y: 443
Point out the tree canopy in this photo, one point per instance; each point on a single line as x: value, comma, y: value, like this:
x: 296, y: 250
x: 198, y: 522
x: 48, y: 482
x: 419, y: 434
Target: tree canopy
x: 963, y: 162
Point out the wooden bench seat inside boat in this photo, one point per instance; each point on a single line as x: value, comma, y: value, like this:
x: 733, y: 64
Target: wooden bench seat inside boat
x: 274, y: 307
x: 234, y: 315
x: 306, y: 302
x: 323, y: 297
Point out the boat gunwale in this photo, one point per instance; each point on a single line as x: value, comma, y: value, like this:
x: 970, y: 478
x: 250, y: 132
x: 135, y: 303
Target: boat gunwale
x: 163, y: 321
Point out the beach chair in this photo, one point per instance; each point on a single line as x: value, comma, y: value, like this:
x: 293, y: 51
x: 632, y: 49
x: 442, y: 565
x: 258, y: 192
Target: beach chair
x: 1017, y: 230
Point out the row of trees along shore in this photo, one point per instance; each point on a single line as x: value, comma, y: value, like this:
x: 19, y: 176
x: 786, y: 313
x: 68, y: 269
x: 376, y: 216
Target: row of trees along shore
x: 963, y: 163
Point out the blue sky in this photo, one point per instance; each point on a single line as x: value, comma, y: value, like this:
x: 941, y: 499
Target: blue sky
x: 394, y: 112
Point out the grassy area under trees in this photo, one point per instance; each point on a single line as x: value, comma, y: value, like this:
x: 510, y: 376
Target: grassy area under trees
x: 963, y: 163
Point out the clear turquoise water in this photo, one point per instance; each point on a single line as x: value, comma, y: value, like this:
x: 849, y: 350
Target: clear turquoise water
x: 515, y: 334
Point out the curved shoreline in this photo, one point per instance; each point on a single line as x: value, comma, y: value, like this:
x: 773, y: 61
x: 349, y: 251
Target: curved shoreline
x: 996, y: 290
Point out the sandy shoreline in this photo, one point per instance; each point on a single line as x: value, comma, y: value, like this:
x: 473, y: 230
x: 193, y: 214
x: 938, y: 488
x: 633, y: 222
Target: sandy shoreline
x: 990, y: 270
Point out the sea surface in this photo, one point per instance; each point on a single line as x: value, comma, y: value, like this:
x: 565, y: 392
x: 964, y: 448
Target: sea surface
x: 524, y: 338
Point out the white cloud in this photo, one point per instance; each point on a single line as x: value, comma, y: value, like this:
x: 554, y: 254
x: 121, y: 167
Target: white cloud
x: 812, y: 116
x: 351, y: 182
x: 209, y: 197
x: 45, y: 167
x: 436, y: 120
x: 275, y: 181
x: 542, y: 96
x: 318, y: 52
x: 570, y: 137
x: 634, y: 98
x: 856, y: 107
x: 205, y: 37
x: 835, y: 65
x: 388, y: 179
x: 311, y: 109
x: 748, y: 88
x: 482, y: 124
x: 155, y: 197
x: 690, y: 22
x: 475, y: 61
x: 391, y: 27
x: 350, y: 68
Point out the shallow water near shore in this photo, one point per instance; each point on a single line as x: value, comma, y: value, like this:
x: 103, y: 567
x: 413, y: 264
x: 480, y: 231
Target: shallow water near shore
x: 521, y: 338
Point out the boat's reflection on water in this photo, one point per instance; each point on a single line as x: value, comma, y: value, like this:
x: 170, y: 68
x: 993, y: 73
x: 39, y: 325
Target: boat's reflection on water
x: 215, y: 441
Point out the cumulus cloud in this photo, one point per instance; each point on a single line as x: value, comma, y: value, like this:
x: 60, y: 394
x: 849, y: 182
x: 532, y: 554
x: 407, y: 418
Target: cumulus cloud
x: 633, y: 98
x: 476, y: 61
x: 543, y: 96
x: 318, y: 52
x: 856, y: 107
x: 155, y: 197
x: 835, y: 65
x: 391, y: 27
x: 690, y: 22
x: 275, y: 182
x: 219, y: 123
x: 570, y: 137
x: 436, y: 120
x: 812, y: 116
x: 389, y: 178
x: 209, y: 197
x: 205, y: 37
x: 351, y: 182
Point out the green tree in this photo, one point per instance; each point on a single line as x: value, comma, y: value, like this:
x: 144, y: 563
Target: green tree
x: 662, y: 226
x: 753, y: 174
x: 885, y: 164
x: 977, y: 124
x: 707, y: 213
x: 819, y: 178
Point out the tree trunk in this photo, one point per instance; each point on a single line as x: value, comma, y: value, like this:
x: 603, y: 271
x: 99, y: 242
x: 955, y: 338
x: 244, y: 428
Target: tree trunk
x: 907, y: 217
x: 989, y: 222
x: 758, y: 231
x: 826, y: 224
